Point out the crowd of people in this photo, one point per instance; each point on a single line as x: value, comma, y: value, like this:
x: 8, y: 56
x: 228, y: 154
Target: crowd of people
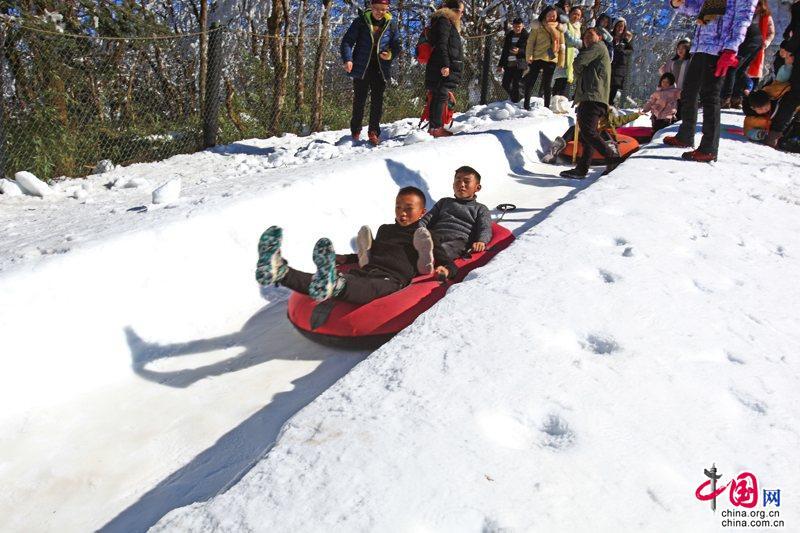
x: 722, y: 65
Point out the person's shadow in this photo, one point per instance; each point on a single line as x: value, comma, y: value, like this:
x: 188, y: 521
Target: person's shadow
x: 266, y: 336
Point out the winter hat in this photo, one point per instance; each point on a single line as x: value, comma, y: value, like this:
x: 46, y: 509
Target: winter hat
x: 620, y: 19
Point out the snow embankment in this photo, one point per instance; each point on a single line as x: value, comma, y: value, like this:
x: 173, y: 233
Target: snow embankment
x: 581, y: 381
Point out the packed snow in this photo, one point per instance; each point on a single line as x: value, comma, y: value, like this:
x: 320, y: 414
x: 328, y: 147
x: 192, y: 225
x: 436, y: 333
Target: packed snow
x: 581, y: 381
x: 148, y: 371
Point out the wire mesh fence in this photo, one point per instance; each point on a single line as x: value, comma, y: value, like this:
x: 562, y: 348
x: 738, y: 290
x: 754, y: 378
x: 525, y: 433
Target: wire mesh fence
x: 69, y: 101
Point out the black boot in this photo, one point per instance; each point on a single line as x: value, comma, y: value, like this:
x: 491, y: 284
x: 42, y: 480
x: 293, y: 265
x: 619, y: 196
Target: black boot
x: 577, y: 173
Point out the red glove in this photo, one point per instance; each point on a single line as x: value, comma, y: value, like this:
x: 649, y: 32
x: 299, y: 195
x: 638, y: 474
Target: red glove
x: 727, y: 59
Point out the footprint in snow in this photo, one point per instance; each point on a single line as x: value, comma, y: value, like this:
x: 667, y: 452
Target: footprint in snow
x: 556, y: 433
x: 607, y: 276
x: 600, y: 344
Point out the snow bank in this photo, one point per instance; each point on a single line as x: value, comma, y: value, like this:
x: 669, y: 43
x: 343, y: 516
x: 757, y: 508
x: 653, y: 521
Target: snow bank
x: 581, y: 381
x: 31, y: 185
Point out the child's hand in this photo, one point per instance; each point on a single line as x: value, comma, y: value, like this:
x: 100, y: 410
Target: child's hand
x: 442, y: 271
x: 478, y: 246
x: 386, y: 55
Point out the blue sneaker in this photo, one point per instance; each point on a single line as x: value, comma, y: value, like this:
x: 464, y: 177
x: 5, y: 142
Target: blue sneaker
x: 271, y: 267
x: 325, y: 282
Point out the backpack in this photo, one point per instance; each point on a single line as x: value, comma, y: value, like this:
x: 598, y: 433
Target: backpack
x: 447, y: 112
x: 424, y: 48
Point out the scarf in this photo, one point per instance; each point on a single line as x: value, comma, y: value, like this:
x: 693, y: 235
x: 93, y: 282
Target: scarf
x: 574, y: 31
x: 556, y: 41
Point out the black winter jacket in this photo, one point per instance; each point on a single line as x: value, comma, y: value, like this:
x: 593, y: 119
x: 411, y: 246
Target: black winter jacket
x: 619, y: 65
x: 445, y: 39
x: 523, y: 40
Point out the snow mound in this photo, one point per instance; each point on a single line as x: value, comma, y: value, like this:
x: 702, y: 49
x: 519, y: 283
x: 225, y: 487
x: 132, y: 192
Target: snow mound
x: 31, y: 185
x: 168, y: 192
x: 9, y: 188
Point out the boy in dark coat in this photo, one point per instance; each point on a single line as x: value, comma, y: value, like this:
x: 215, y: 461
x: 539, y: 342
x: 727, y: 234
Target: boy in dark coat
x: 512, y: 59
x: 443, y: 71
x: 367, y: 50
x: 391, y: 264
x: 454, y: 226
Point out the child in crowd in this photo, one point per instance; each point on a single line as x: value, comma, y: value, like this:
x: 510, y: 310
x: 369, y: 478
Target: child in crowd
x: 390, y: 265
x: 663, y: 104
x: 454, y: 225
x: 760, y: 106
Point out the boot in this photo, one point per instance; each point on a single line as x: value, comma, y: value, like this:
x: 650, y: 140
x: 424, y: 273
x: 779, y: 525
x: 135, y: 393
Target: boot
x: 356, y: 135
x: 673, y: 140
x: 725, y: 103
x: 736, y: 102
x: 271, y: 267
x: 423, y: 244
x: 374, y: 138
x: 325, y: 283
x: 700, y: 157
x: 576, y: 173
x: 611, y: 164
x: 440, y: 132
x: 556, y: 147
x: 363, y: 245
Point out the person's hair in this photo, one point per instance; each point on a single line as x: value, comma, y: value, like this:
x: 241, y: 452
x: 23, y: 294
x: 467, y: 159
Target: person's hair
x: 595, y: 30
x: 576, y: 8
x: 415, y: 191
x: 683, y: 42
x: 517, y: 20
x: 452, y: 4
x: 667, y: 76
x: 603, y: 16
x: 762, y: 8
x: 758, y: 99
x: 545, y: 11
x: 468, y: 170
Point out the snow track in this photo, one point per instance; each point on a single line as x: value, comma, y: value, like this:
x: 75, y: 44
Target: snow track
x: 144, y: 370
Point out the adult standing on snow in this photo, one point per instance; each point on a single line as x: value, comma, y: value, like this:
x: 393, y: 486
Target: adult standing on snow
x: 572, y: 38
x: 544, y: 52
x: 622, y: 53
x: 592, y: 83
x: 721, y: 28
x: 443, y: 71
x: 512, y: 59
x: 735, y: 82
x: 767, y: 26
x: 368, y: 48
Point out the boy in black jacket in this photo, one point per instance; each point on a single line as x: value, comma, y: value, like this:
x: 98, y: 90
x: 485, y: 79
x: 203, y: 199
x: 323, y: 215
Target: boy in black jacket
x: 391, y: 264
x: 454, y: 226
x: 512, y: 59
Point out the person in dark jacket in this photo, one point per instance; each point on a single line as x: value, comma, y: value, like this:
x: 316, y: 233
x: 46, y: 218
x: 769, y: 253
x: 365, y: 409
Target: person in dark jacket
x: 391, y: 266
x: 367, y: 50
x: 788, y: 103
x: 512, y: 59
x: 443, y: 71
x: 456, y: 225
x: 592, y: 82
x: 622, y: 54
x: 736, y: 79
x: 603, y: 24
x: 791, y: 35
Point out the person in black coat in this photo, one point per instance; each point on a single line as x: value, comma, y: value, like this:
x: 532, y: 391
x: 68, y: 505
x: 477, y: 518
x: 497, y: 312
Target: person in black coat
x: 512, y: 59
x: 367, y: 50
x: 443, y: 71
x: 622, y: 53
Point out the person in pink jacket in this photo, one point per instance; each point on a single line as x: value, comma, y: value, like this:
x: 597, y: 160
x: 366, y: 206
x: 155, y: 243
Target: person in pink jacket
x: 663, y: 104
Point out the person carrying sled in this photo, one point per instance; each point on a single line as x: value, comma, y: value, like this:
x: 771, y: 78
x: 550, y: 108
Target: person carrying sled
x: 367, y: 50
x: 512, y: 59
x: 443, y: 71
x: 592, y: 83
x: 606, y: 126
x: 721, y: 28
x: 456, y: 225
x: 387, y: 263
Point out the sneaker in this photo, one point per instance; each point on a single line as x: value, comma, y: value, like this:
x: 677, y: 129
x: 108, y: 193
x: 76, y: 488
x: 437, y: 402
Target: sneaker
x: 574, y: 173
x: 700, y: 157
x: 374, y: 138
x: 356, y: 135
x: 423, y: 244
x: 440, y: 132
x: 611, y: 164
x: 323, y: 282
x: 672, y: 140
x: 556, y: 147
x: 271, y: 267
x: 363, y: 245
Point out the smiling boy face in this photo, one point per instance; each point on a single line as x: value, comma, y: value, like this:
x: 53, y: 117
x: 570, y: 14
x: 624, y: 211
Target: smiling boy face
x: 408, y: 208
x: 465, y: 185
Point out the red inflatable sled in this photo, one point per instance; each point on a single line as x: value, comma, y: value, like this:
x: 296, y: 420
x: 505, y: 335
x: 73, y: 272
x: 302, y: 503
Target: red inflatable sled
x: 642, y: 134
x: 345, y: 324
x: 627, y: 145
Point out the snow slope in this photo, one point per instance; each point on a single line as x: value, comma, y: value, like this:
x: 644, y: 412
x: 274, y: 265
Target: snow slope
x: 144, y: 369
x: 581, y: 381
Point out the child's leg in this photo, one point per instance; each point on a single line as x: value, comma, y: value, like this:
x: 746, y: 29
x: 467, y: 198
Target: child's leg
x: 359, y: 287
x: 296, y: 280
x: 271, y: 267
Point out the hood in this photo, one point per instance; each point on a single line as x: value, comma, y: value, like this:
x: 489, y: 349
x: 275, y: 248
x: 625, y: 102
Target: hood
x: 450, y: 14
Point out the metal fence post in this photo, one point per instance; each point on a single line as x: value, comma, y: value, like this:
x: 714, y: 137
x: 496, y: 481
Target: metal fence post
x: 2, y: 100
x: 486, y: 67
x: 213, y: 78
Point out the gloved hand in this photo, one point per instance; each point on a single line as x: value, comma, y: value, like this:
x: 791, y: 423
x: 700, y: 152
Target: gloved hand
x: 727, y: 59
